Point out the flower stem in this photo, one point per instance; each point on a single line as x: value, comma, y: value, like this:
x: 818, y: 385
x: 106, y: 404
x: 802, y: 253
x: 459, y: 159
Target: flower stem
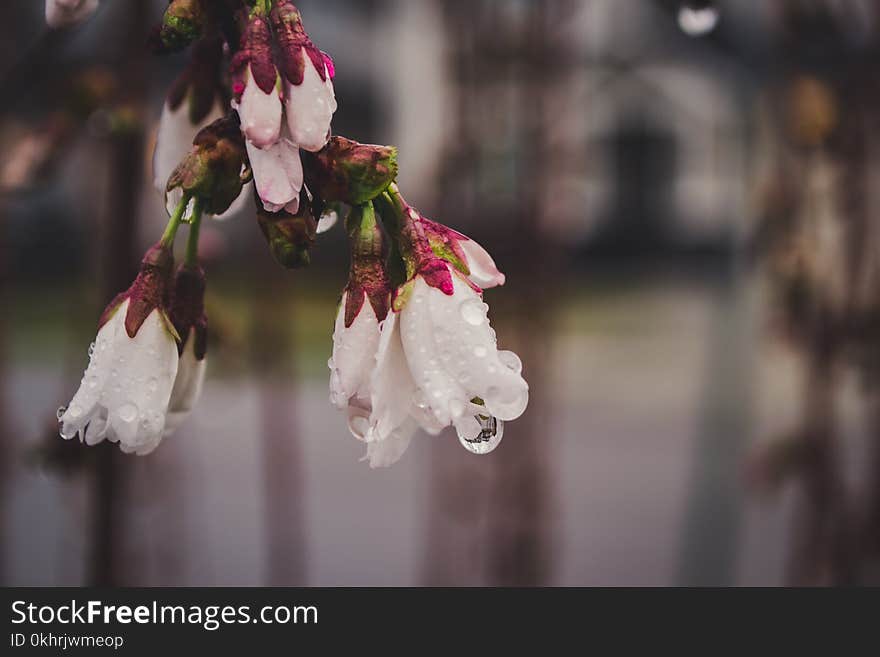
x: 174, y: 222
x: 191, y: 257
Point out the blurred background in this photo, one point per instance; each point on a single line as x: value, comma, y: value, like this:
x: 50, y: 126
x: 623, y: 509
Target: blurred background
x: 684, y: 197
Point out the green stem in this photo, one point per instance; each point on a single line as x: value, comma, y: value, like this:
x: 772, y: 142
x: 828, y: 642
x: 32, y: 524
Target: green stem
x: 192, y: 243
x: 174, y: 222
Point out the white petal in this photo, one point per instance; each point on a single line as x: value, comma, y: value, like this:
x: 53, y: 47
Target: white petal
x: 393, y: 391
x: 484, y: 272
x: 60, y: 13
x: 127, y: 386
x: 354, y: 354
x: 187, y: 385
x: 278, y: 173
x: 309, y: 108
x: 383, y: 453
x: 452, y: 353
x: 174, y: 140
x: 260, y: 114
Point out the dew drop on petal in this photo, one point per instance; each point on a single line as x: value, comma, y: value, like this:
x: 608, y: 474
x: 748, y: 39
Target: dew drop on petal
x: 60, y: 412
x: 75, y: 411
x: 480, y: 351
x: 472, y: 312
x: 359, y: 426
x: 92, y: 381
x: 419, y: 399
x: 484, y: 437
x: 128, y: 412
x: 91, y: 349
x: 67, y: 432
x: 511, y: 361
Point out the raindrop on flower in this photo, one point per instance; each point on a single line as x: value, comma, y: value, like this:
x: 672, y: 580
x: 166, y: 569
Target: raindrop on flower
x: 75, y: 411
x: 419, y: 399
x: 472, y: 312
x: 91, y: 349
x: 359, y: 426
x: 60, y: 412
x: 128, y: 412
x: 485, y: 437
x: 480, y: 351
x: 511, y: 361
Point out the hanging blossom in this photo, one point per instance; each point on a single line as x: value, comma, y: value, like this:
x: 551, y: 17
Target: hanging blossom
x: 62, y: 13
x: 284, y: 112
x: 147, y: 363
x: 431, y: 362
x: 412, y: 344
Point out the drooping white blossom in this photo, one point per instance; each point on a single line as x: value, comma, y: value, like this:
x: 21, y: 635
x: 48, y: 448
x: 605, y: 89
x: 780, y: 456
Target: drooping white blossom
x: 309, y: 108
x: 125, y: 391
x: 278, y: 175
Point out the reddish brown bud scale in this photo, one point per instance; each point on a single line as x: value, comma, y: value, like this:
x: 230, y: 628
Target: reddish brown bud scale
x: 292, y: 41
x: 148, y: 292
x: 259, y: 48
x: 188, y: 308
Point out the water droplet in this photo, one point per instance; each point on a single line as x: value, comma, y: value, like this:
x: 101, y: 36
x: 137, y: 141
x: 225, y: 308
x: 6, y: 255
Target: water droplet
x: 456, y: 407
x: 511, y: 361
x: 480, y: 351
x: 472, y: 312
x: 128, y: 412
x: 91, y: 349
x: 481, y: 437
x: 60, y: 412
x: 92, y: 381
x: 67, y: 432
x: 75, y: 411
x: 419, y: 399
x: 359, y: 425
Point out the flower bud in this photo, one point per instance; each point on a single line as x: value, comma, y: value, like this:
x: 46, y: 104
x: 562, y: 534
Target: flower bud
x: 188, y: 307
x: 293, y: 42
x: 182, y: 23
x: 254, y: 54
x: 368, y: 277
x: 199, y: 84
x: 212, y: 170
x: 350, y: 172
x: 148, y: 292
x: 289, y: 235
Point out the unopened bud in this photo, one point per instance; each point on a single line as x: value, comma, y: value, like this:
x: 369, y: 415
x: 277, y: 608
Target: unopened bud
x: 290, y: 236
x: 350, y: 172
x: 182, y: 23
x: 212, y: 170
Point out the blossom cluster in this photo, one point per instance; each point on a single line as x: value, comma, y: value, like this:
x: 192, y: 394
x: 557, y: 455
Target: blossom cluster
x: 412, y: 344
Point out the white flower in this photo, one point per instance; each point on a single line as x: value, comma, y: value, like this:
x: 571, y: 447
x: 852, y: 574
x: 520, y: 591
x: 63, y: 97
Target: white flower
x: 125, y: 392
x: 187, y: 385
x: 278, y: 175
x: 260, y: 113
x: 60, y: 13
x: 309, y: 108
x: 453, y: 357
x: 354, y: 354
